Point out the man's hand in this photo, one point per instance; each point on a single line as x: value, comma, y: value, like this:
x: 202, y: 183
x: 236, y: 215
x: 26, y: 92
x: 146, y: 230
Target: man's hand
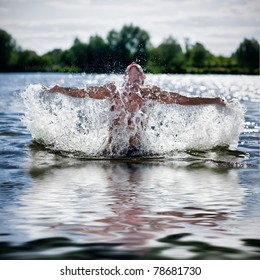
x: 56, y: 88
x: 220, y: 101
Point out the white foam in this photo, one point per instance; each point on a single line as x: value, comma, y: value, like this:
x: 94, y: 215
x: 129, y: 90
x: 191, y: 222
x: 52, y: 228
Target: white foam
x: 82, y: 125
x: 175, y: 127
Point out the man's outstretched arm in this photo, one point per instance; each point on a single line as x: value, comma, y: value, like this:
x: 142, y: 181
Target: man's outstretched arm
x: 96, y: 92
x: 168, y: 97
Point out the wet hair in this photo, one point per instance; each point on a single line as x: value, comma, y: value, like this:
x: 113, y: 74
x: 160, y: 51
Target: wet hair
x: 133, y: 64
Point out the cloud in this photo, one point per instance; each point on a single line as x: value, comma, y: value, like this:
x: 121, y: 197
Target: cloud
x: 3, y: 10
x: 71, y: 6
x: 41, y: 25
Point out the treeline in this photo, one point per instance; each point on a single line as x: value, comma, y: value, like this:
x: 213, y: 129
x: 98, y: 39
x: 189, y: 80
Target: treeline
x: 131, y: 43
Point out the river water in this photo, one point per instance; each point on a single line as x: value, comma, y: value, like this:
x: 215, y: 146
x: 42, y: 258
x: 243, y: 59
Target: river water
x: 193, y: 194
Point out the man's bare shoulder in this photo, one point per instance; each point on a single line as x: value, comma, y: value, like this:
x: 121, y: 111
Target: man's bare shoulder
x: 102, y: 92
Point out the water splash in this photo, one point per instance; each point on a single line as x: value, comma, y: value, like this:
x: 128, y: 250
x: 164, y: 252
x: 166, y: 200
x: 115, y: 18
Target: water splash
x: 74, y: 125
x: 177, y: 127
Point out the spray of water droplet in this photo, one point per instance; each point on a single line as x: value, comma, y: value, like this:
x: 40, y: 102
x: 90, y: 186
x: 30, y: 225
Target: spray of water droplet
x: 84, y: 125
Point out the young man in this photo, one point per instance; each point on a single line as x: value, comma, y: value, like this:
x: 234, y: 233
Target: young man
x: 128, y: 105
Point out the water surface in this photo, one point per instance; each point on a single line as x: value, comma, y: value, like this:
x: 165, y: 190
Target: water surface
x: 197, y: 201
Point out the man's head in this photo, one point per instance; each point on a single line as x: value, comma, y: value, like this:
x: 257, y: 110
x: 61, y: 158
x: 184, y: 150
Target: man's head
x: 134, y: 74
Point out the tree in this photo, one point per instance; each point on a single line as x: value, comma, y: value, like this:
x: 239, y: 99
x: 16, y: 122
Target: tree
x: 198, y: 55
x: 97, y: 55
x: 120, y: 48
x: 247, y: 54
x: 167, y: 57
x: 78, y: 55
x: 130, y: 44
x: 68, y: 60
x: 29, y: 61
x: 7, y: 47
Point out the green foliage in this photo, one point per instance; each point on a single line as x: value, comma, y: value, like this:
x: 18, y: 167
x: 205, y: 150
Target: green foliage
x: 199, y: 56
x: 167, y: 58
x: 29, y: 61
x: 247, y: 54
x: 78, y: 55
x: 130, y: 44
x: 97, y: 55
x: 120, y: 48
x: 7, y: 47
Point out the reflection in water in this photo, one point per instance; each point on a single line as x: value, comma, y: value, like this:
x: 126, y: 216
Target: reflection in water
x: 134, y: 203
x: 193, y: 205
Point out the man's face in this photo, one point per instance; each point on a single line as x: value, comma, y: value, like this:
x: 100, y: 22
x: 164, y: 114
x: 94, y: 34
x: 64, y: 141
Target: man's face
x: 134, y: 76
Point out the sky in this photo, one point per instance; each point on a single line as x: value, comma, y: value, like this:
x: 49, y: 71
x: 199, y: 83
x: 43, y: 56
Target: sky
x: 43, y: 25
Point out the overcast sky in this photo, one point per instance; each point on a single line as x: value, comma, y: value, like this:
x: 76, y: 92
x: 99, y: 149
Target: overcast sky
x: 43, y: 25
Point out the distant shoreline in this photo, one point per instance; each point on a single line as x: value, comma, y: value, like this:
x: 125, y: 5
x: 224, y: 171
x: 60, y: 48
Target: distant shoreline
x: 120, y: 48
